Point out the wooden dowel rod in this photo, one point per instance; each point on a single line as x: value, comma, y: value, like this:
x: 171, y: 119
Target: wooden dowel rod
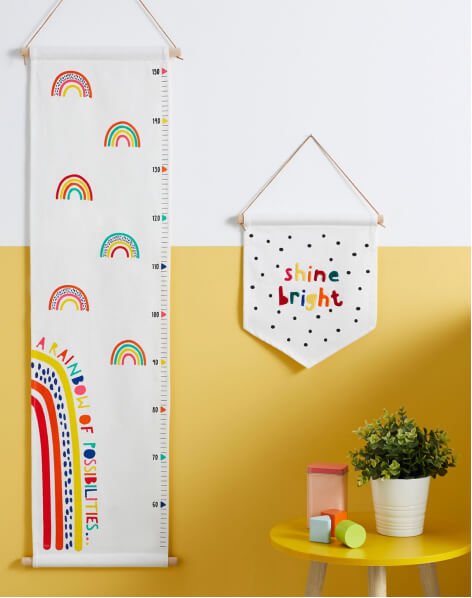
x: 173, y: 53
x: 27, y: 561
x: 380, y: 219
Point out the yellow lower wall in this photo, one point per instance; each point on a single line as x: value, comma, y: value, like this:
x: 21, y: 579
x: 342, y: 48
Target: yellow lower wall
x: 246, y: 420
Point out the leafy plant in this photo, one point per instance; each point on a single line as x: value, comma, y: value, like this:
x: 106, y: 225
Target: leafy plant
x: 396, y: 447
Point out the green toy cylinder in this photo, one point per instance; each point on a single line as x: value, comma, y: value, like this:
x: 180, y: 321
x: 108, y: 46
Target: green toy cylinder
x: 350, y: 533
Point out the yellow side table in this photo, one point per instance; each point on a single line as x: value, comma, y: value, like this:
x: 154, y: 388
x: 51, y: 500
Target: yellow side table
x: 438, y: 543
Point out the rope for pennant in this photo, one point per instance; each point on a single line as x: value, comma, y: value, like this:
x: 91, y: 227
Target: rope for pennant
x: 144, y: 6
x: 333, y: 162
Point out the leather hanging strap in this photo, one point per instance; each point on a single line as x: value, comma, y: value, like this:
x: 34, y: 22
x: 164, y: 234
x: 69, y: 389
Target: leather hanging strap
x: 175, y: 51
x: 380, y: 219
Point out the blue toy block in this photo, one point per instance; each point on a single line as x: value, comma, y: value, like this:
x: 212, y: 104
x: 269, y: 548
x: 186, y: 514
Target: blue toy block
x: 320, y: 529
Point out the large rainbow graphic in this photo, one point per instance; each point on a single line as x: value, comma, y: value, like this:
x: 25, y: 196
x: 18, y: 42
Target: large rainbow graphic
x: 130, y: 350
x: 74, y: 184
x: 71, y: 80
x: 122, y: 131
x: 57, y: 388
x: 119, y: 243
x: 68, y: 293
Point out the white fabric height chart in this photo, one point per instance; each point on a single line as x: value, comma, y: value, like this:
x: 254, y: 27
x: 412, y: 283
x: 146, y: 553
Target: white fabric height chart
x: 100, y: 263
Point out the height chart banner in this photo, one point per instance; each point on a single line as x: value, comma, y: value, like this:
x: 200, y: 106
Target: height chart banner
x: 99, y: 213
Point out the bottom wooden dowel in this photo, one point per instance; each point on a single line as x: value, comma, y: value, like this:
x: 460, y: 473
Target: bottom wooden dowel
x: 27, y: 561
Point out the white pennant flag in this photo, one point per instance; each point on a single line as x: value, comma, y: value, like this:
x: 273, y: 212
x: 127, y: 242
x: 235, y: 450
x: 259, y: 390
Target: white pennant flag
x: 310, y: 288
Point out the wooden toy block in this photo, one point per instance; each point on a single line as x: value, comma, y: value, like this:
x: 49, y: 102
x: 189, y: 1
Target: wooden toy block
x: 350, y: 533
x: 336, y: 516
x: 320, y: 529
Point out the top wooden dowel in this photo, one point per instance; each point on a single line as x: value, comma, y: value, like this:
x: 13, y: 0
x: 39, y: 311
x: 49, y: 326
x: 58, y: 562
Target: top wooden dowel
x: 380, y: 219
x: 173, y: 53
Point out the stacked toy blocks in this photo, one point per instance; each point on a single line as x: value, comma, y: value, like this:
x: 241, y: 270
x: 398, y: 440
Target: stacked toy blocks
x: 327, y: 501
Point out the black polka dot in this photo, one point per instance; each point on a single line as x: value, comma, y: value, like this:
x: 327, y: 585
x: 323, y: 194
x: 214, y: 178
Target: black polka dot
x: 348, y: 272
x: 366, y: 245
x: 253, y: 287
x: 294, y: 318
x: 359, y: 288
x: 270, y: 295
x: 330, y: 259
x: 268, y: 241
x: 318, y: 317
x: 288, y: 340
x: 354, y: 254
x: 256, y: 258
x: 338, y: 242
x: 281, y: 248
x: 255, y: 308
x: 309, y: 245
x: 278, y: 311
x: 251, y: 235
x: 277, y: 266
x: 330, y: 309
x: 325, y: 340
x: 310, y: 331
x: 367, y: 271
x: 305, y: 344
x: 272, y: 326
x: 338, y: 329
x: 290, y: 236
x: 324, y: 236
x: 262, y: 274
x: 356, y: 320
x: 358, y: 308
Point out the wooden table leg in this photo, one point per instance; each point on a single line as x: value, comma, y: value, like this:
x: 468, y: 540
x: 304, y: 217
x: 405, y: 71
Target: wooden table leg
x: 316, y: 575
x: 429, y: 579
x: 377, y: 581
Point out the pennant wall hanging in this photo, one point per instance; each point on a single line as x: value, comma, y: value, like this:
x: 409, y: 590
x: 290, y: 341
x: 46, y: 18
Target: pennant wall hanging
x: 100, y: 264
x: 310, y: 285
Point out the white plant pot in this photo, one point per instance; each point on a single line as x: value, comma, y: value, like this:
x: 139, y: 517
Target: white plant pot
x: 400, y: 506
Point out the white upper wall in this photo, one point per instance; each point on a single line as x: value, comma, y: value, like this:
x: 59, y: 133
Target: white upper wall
x: 384, y: 84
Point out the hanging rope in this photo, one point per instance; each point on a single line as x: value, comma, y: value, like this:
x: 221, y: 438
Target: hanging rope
x: 162, y: 31
x: 289, y: 159
x: 42, y: 24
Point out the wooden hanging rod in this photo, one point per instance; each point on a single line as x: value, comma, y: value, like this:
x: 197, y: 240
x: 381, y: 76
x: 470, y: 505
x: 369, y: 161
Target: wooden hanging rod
x: 27, y: 561
x: 380, y: 219
x: 173, y: 53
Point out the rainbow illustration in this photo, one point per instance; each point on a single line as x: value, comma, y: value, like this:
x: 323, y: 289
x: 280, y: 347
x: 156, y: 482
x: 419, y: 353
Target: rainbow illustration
x: 74, y: 184
x: 68, y: 293
x: 119, y: 242
x: 128, y: 349
x: 122, y: 131
x: 60, y: 404
x: 71, y: 80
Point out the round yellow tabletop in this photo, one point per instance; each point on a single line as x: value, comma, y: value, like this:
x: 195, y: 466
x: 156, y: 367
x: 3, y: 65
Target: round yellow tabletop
x: 440, y: 542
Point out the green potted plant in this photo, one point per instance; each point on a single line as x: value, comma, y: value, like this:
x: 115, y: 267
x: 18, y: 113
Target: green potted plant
x: 400, y: 458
